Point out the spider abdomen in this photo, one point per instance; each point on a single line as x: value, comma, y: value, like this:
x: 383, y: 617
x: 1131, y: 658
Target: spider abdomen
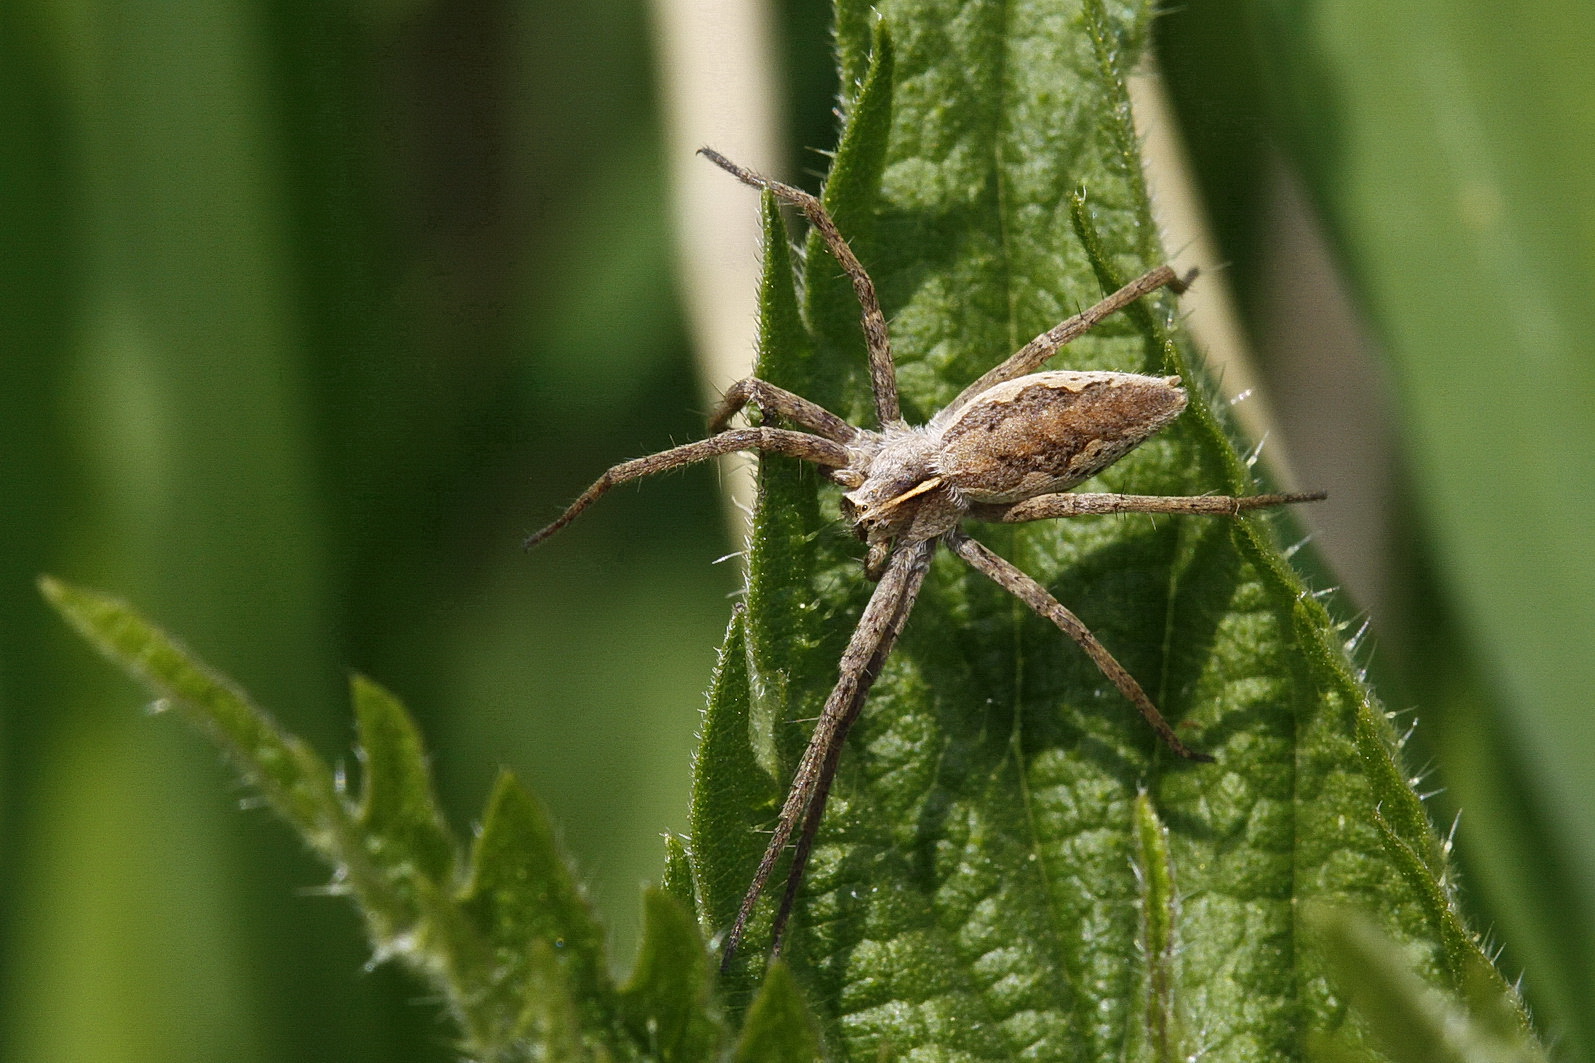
x: 1049, y: 431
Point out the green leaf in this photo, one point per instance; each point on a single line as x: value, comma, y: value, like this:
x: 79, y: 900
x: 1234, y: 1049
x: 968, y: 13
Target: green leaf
x: 399, y: 815
x: 1164, y: 1030
x: 732, y: 796
x: 550, y: 1018
x: 523, y: 895
x: 1010, y: 863
x: 1411, y: 1021
x: 515, y: 952
x: 1450, y: 153
x: 294, y: 781
x: 668, y: 1002
x: 778, y: 1027
x: 677, y: 880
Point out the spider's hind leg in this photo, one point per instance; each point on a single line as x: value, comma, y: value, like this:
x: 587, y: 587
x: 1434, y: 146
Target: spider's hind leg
x: 1022, y: 586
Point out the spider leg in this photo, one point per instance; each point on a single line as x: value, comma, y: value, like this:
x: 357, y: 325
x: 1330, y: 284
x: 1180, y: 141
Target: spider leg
x: 883, y: 373
x: 802, y: 445
x: 877, y: 631
x: 784, y: 404
x: 1026, y: 589
x: 1032, y: 355
x: 1086, y: 504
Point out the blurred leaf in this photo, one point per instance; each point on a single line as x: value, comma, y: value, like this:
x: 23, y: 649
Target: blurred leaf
x: 521, y: 892
x: 291, y: 777
x: 1411, y: 1021
x: 1451, y: 151
x: 170, y: 397
x: 550, y: 1018
x: 516, y: 953
x: 669, y: 1002
x: 398, y: 812
x: 974, y: 890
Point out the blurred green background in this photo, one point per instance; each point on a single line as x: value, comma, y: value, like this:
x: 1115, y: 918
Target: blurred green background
x: 309, y: 310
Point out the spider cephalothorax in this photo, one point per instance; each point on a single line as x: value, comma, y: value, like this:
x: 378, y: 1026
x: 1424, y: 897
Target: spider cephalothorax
x: 1008, y: 449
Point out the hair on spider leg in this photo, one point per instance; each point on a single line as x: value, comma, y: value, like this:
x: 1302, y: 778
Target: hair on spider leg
x: 1009, y: 448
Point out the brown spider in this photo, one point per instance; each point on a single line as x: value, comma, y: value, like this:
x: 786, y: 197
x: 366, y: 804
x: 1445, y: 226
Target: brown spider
x: 1005, y: 450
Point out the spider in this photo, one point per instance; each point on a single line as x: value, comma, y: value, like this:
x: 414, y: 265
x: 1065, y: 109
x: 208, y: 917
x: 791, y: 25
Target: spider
x: 1006, y: 450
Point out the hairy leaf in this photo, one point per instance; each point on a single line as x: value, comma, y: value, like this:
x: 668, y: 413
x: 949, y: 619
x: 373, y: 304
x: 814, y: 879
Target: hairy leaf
x: 778, y: 1029
x: 1011, y: 865
x: 508, y: 942
x: 1412, y: 1022
x: 668, y: 1004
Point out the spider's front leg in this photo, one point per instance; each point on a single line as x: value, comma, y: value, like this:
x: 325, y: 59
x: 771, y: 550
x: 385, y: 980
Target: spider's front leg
x: 824, y: 452
x: 883, y: 373
x: 784, y: 404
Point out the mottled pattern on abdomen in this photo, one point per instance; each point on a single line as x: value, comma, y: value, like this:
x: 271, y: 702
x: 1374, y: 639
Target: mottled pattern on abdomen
x: 1049, y: 431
